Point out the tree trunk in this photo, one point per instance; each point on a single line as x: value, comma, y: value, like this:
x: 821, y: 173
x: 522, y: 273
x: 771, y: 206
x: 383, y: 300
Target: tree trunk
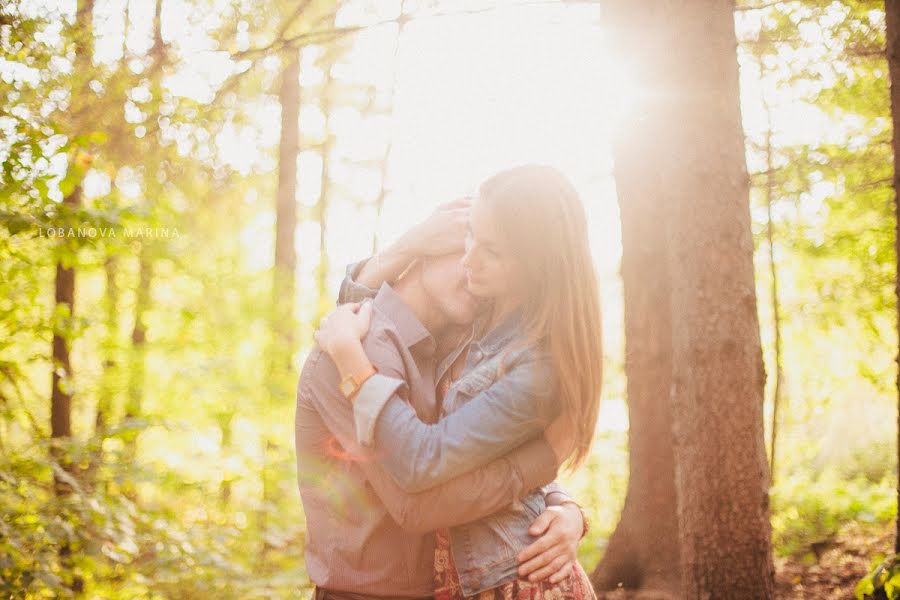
x: 108, y: 386
x: 680, y: 161
x: 325, y: 303
x: 773, y: 270
x: 225, y: 426
x: 64, y: 296
x: 643, y: 551
x: 286, y: 202
x: 892, y: 18
x: 64, y: 285
x: 153, y: 186
x: 61, y: 395
x: 283, y: 283
x: 321, y: 214
x: 721, y: 475
x: 138, y: 336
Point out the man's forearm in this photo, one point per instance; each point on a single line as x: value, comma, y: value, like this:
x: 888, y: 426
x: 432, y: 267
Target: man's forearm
x: 387, y: 265
x: 470, y: 496
x: 555, y: 494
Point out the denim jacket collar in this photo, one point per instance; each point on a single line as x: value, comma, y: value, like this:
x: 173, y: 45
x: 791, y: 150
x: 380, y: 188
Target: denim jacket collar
x: 504, y: 332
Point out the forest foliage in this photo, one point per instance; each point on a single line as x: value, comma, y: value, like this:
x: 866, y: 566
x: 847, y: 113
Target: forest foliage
x: 178, y: 479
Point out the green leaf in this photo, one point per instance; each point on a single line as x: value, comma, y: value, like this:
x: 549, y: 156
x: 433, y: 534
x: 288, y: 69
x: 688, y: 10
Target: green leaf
x: 864, y: 588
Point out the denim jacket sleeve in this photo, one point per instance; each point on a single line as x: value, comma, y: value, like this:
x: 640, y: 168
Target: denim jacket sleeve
x: 513, y: 409
x: 350, y: 290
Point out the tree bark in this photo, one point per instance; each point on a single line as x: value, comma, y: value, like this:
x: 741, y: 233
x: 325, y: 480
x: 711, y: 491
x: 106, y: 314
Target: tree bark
x: 286, y: 201
x: 643, y: 552
x: 325, y: 303
x: 681, y: 160
x: 61, y: 396
x: 64, y: 296
x: 773, y: 271
x: 283, y: 283
x: 721, y: 475
x: 64, y: 284
x: 892, y: 21
x: 153, y: 186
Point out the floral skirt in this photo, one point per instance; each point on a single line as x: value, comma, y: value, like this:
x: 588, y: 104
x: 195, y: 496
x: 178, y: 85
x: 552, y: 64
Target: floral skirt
x: 576, y: 586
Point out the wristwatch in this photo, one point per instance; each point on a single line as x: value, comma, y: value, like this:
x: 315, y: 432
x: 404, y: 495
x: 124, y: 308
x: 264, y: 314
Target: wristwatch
x: 584, y: 518
x: 350, y: 385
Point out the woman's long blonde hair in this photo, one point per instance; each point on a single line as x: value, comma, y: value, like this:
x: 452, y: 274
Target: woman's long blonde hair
x: 542, y: 219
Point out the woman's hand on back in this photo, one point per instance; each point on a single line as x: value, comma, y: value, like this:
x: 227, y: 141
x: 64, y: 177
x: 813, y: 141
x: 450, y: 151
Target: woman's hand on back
x: 345, y: 325
x: 555, y: 552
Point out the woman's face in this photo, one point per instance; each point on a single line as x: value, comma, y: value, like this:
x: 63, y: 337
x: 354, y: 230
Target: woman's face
x: 492, y: 270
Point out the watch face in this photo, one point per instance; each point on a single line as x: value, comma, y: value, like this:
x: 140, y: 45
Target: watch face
x: 347, y: 386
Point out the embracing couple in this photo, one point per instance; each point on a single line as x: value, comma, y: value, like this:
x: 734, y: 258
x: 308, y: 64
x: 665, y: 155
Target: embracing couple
x: 461, y: 368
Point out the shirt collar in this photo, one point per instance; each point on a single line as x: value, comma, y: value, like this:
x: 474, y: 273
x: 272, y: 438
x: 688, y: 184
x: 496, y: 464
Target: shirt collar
x: 410, y: 330
x: 508, y: 328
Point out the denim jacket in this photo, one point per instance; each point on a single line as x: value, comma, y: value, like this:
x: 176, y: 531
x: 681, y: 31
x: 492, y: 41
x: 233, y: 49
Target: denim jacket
x: 483, y: 416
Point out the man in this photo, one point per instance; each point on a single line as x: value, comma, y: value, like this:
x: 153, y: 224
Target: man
x: 366, y: 538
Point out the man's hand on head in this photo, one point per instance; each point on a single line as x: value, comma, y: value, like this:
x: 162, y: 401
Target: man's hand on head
x: 555, y: 552
x: 443, y: 232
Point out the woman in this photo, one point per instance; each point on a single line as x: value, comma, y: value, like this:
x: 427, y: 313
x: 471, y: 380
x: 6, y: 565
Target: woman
x: 537, y: 359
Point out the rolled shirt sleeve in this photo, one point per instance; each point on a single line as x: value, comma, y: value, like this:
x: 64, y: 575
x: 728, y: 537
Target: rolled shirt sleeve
x: 369, y: 401
x: 350, y: 290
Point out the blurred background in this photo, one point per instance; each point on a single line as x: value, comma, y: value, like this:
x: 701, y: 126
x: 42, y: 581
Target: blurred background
x: 185, y: 181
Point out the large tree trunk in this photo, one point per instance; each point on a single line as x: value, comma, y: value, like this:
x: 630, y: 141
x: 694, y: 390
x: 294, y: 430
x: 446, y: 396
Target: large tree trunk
x: 680, y: 160
x: 892, y: 18
x: 721, y: 475
x: 643, y: 551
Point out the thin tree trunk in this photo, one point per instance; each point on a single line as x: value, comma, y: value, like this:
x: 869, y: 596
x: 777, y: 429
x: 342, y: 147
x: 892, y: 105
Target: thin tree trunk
x: 64, y: 296
x: 61, y: 396
x: 321, y: 211
x: 321, y: 216
x: 107, y: 390
x: 773, y: 270
x: 107, y: 393
x: 64, y: 285
x: 225, y: 427
x: 136, y: 370
x: 892, y: 18
x: 285, y: 262
x: 152, y: 188
x: 722, y: 475
x: 286, y: 202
